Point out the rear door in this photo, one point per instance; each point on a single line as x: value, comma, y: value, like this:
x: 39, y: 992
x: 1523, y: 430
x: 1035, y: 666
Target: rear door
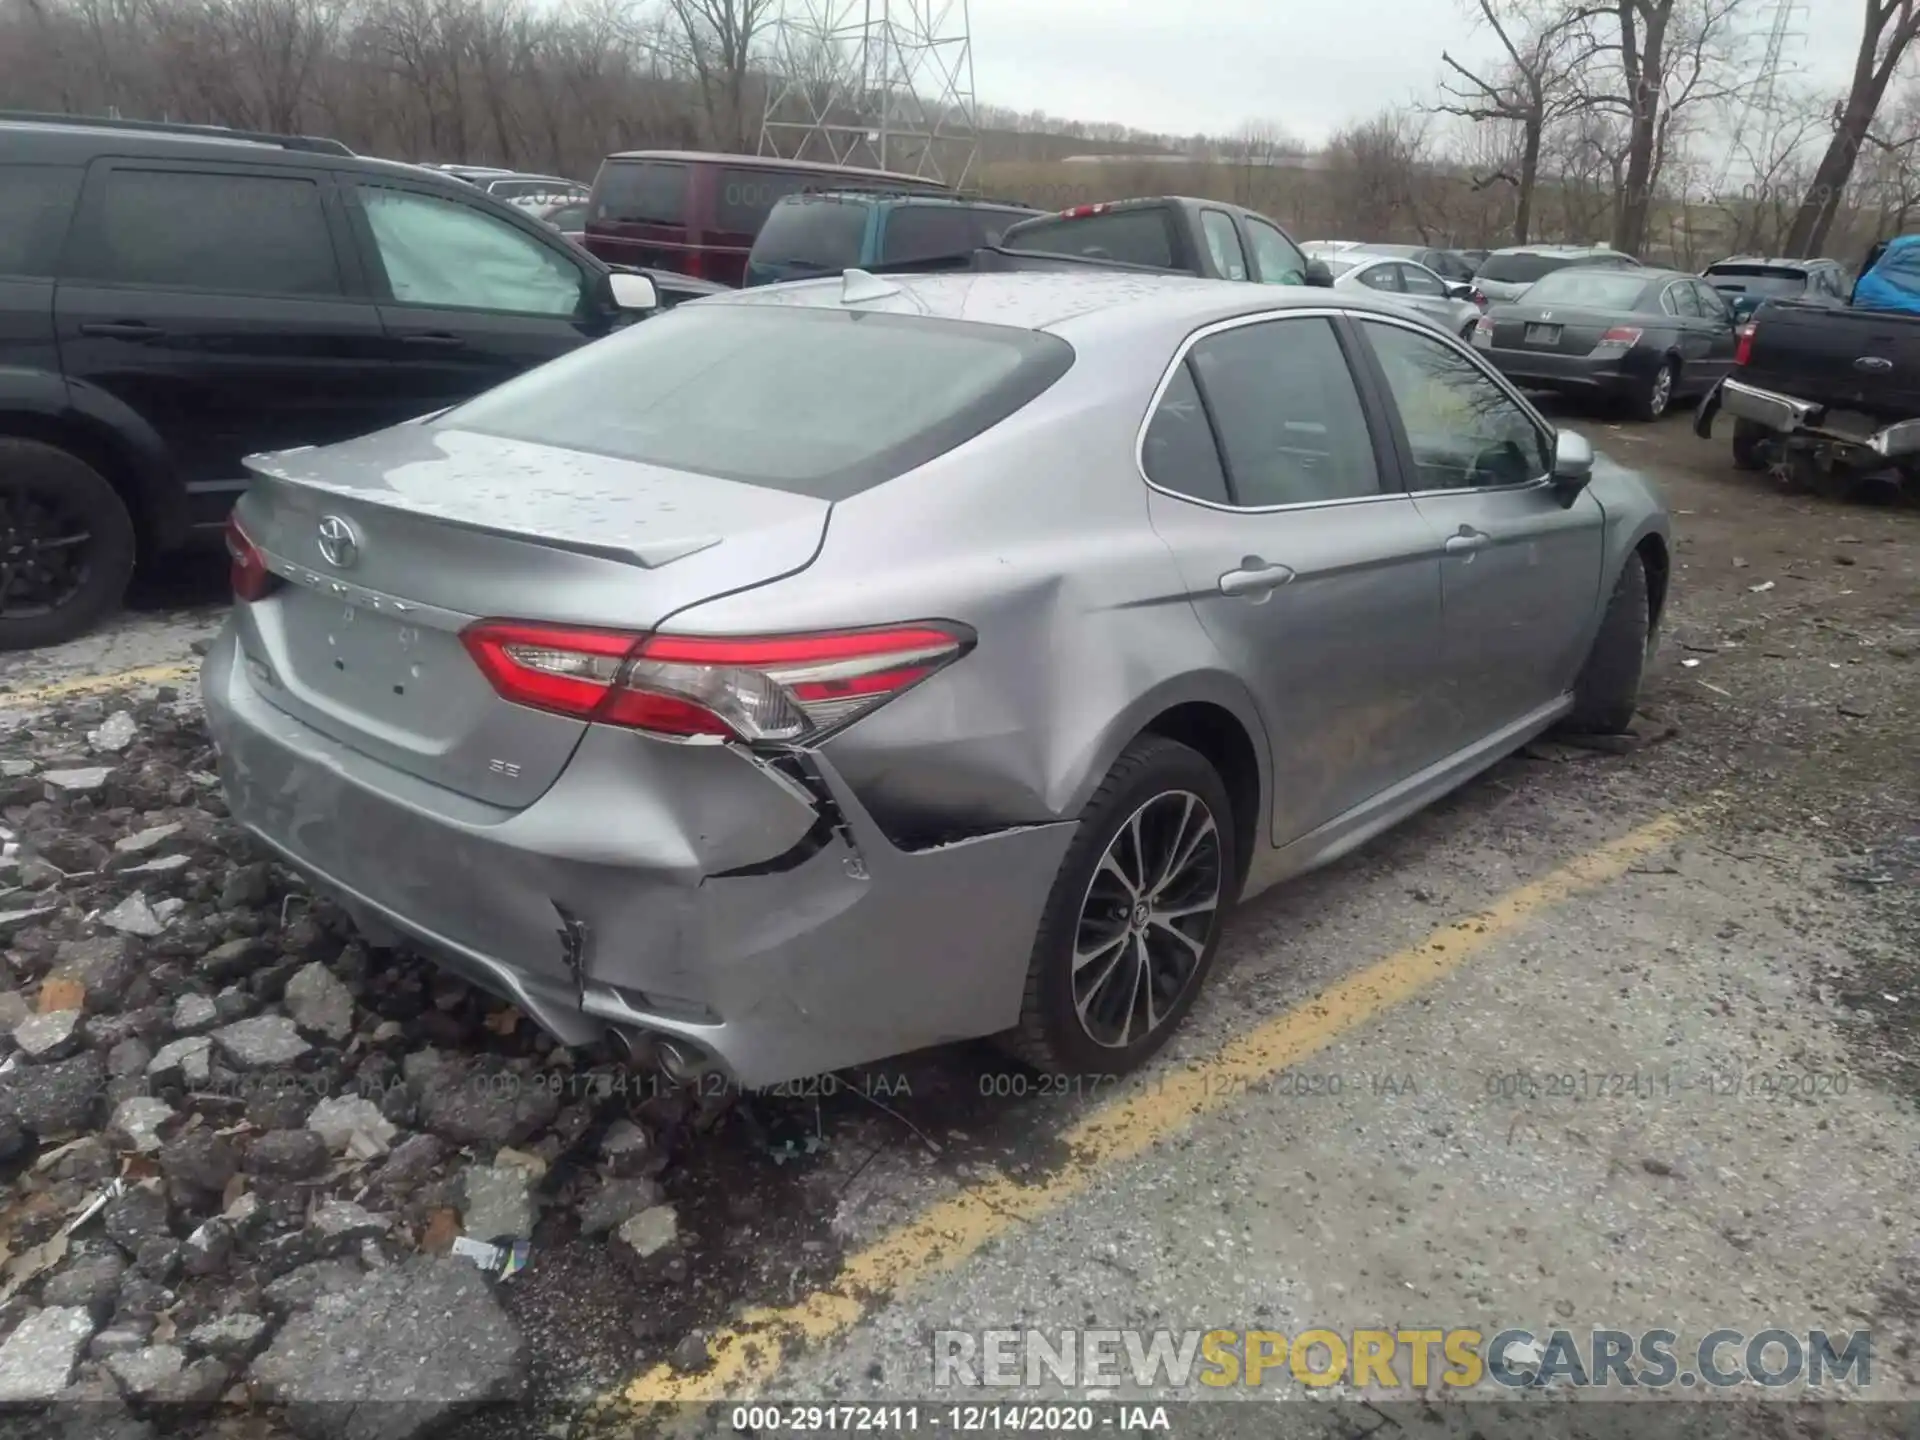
x: 1315, y: 576
x: 222, y: 303
x: 1723, y: 336
x: 466, y: 297
x: 1692, y: 335
x: 1520, y: 573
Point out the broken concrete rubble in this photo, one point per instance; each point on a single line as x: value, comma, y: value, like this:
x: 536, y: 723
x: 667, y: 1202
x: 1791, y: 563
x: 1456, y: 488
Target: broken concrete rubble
x: 36, y: 1363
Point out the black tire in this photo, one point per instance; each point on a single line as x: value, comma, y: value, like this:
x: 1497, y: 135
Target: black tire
x: 44, y: 493
x: 1655, y: 397
x: 1150, y: 777
x: 1608, y: 690
x: 1749, y: 442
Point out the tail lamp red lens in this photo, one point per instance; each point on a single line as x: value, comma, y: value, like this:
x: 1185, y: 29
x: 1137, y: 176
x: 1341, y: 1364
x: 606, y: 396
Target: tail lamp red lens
x: 1620, y: 337
x: 249, y: 575
x: 1743, y: 347
x: 781, y: 687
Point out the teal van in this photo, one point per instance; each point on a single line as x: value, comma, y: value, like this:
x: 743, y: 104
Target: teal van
x: 827, y: 232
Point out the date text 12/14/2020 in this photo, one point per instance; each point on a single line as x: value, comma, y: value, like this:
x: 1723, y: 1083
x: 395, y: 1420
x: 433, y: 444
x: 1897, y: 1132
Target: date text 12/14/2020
x: 1128, y: 1419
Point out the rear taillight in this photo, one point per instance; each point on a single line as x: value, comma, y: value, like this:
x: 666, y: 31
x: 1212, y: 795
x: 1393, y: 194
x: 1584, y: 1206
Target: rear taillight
x: 693, y: 263
x: 1620, y: 337
x: 1478, y: 299
x: 250, y: 577
x: 1483, y: 332
x: 1743, y: 349
x: 1080, y: 212
x: 779, y: 687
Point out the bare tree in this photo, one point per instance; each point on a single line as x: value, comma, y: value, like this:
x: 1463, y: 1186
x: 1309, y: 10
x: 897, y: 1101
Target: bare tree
x: 1375, y: 171
x: 1891, y: 26
x: 1544, y: 48
x: 720, y: 38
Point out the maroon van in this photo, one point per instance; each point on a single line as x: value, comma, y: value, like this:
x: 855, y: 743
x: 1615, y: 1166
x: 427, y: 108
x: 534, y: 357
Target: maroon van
x: 698, y: 213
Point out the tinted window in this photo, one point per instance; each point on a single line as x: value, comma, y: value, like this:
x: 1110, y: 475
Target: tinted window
x: 440, y: 252
x: 1137, y: 237
x: 1685, y: 302
x: 1223, y: 243
x: 568, y: 217
x: 815, y: 401
x: 1278, y: 259
x: 1521, y: 269
x: 1711, y: 305
x: 641, y: 192
x: 812, y: 234
x: 1594, y: 288
x: 242, y: 234
x: 1756, y: 280
x: 934, y: 232
x: 1465, y: 430
x: 744, y: 196
x: 1421, y: 281
x: 1179, y: 453
x: 1289, y: 417
x: 36, y: 201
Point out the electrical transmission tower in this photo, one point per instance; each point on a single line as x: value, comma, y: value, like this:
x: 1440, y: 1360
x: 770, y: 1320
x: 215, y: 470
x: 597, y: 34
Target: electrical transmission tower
x: 886, y: 84
x: 1759, y: 119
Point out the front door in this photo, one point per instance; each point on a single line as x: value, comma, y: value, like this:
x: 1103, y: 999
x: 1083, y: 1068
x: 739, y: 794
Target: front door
x: 468, y: 298
x: 212, y: 300
x: 1520, y: 572
x: 1315, y: 576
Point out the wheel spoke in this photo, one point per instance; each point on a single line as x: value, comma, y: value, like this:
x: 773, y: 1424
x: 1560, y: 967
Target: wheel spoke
x: 1144, y: 983
x: 1110, y: 865
x: 1139, y: 850
x: 1196, y: 946
x: 1083, y: 958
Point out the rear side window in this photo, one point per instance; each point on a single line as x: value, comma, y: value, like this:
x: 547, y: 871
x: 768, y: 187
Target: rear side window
x: 641, y: 192
x: 934, y: 232
x: 813, y: 233
x: 36, y: 202
x: 1223, y: 244
x: 1179, y: 453
x: 813, y: 401
x: 201, y: 230
x: 1288, y: 414
x: 1135, y: 237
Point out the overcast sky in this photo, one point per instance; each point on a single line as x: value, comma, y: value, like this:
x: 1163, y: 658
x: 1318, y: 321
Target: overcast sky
x: 1208, y: 65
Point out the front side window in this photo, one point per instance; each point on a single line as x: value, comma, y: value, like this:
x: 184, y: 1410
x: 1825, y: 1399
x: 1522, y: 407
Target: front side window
x: 1179, y: 453
x: 1290, y: 423
x: 36, y: 201
x: 1464, y: 430
x: 1223, y: 244
x: 215, y: 231
x: 440, y: 252
x: 1277, y: 258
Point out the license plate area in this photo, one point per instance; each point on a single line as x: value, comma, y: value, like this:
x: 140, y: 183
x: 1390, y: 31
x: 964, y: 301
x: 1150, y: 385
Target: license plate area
x: 1543, y: 334
x: 376, y: 666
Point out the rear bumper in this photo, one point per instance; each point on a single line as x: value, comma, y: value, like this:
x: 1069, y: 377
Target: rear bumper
x: 1574, y: 374
x: 1788, y: 416
x: 830, y: 947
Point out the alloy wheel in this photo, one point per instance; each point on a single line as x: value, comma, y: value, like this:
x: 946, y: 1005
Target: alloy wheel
x: 44, y: 552
x: 1146, y: 919
x: 1662, y: 391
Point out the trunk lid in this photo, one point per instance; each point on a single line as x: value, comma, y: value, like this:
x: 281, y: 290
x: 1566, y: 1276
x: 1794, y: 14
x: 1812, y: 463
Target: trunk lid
x: 1554, y: 329
x: 428, y: 529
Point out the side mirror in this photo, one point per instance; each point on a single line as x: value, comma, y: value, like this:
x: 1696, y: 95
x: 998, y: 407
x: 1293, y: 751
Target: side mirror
x: 1572, y: 466
x: 1319, y: 275
x: 1460, y: 290
x: 632, y: 292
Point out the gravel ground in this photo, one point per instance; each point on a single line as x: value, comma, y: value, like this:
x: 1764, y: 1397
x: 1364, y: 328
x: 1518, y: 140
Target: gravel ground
x: 239, y: 1147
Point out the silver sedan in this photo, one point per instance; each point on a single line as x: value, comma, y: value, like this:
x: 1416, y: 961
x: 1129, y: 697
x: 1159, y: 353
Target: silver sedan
x: 1410, y: 283
x: 823, y: 671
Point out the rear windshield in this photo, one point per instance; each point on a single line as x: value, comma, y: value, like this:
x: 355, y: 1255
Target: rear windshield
x: 744, y: 196
x: 812, y: 233
x: 1136, y: 237
x: 813, y: 401
x: 641, y: 192
x: 936, y: 232
x: 1756, y: 280
x: 1586, y: 285
x: 1521, y: 269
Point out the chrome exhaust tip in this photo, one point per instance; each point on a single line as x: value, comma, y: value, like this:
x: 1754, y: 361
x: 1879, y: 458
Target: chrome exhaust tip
x: 680, y: 1062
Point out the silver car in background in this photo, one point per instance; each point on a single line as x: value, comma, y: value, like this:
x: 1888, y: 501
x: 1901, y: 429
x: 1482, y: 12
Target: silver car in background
x: 822, y: 671
x: 1410, y: 283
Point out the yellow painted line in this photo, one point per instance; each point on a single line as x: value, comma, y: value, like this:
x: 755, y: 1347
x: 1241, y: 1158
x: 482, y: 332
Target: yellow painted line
x: 942, y: 1238
x: 93, y: 684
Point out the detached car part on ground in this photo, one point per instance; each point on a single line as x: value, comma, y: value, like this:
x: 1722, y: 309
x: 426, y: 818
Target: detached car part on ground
x: 948, y: 667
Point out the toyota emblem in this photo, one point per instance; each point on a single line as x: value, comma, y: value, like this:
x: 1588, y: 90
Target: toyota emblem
x: 338, y: 544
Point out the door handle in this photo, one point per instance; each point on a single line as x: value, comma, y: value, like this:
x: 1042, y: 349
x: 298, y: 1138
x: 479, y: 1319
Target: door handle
x: 433, y: 340
x: 1466, y: 542
x: 1254, y: 577
x: 122, y: 330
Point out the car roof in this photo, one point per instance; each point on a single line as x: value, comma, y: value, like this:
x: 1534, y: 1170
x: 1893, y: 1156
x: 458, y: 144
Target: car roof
x: 1060, y: 301
x: 1780, y: 263
x: 768, y: 162
x: 1369, y: 255
x: 909, y: 197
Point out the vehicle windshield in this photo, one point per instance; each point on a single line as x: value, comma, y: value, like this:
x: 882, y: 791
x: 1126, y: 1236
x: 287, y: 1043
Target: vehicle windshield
x: 1757, y: 280
x: 1594, y: 289
x: 1521, y: 269
x: 821, y: 402
x: 811, y: 234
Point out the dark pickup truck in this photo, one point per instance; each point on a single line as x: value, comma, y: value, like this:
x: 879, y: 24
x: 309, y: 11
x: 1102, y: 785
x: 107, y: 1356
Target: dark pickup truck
x: 1164, y: 233
x: 1832, y: 392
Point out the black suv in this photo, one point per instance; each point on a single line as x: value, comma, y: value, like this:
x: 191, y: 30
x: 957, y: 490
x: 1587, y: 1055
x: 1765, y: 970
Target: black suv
x: 173, y: 298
